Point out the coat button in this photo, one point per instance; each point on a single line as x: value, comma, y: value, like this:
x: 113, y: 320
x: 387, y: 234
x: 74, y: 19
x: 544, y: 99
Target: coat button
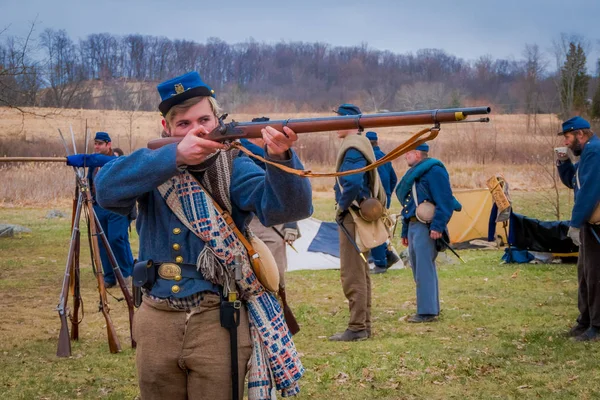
x: 179, y: 259
x: 177, y: 278
x: 175, y: 289
x: 176, y: 231
x: 176, y: 246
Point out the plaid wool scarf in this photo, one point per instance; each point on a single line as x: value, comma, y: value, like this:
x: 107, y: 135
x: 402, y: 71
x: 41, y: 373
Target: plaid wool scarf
x: 274, y: 355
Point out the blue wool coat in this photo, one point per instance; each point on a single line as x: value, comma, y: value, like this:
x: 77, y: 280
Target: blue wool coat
x: 388, y: 176
x: 355, y: 186
x: 588, y: 173
x: 566, y: 172
x: 433, y: 186
x: 273, y: 195
x: 259, y: 151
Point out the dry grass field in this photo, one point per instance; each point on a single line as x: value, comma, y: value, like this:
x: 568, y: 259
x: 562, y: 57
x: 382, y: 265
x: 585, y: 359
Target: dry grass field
x: 501, y: 331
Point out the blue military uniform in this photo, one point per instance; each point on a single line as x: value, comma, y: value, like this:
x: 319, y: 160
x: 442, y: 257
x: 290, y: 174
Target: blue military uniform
x: 432, y: 184
x: 381, y: 254
x: 583, y: 177
x: 114, y: 226
x: 354, y: 272
x: 183, y: 350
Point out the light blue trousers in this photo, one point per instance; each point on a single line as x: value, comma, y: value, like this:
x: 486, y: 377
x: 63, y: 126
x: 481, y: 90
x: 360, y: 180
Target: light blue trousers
x: 422, y: 254
x: 115, y: 227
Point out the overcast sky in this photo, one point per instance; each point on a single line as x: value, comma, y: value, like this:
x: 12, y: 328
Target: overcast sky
x: 464, y: 28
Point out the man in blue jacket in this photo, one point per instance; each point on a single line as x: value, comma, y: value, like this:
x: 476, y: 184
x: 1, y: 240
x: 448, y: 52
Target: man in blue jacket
x: 426, y: 181
x: 191, y: 287
x: 584, y: 178
x: 383, y: 257
x: 350, y: 190
x: 114, y: 226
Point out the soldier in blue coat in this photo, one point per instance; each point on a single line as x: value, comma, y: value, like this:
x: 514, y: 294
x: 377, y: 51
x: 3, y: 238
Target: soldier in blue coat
x: 428, y: 181
x: 383, y: 257
x: 584, y: 178
x: 350, y: 190
x: 183, y: 352
x: 115, y: 226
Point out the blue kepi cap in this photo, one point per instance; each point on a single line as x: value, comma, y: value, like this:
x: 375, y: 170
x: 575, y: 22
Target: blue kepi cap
x: 574, y: 124
x: 348, y: 109
x: 371, y: 135
x: 423, y: 147
x: 181, y: 88
x: 102, y: 136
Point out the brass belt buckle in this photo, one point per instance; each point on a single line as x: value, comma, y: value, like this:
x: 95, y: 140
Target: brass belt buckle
x: 169, y: 271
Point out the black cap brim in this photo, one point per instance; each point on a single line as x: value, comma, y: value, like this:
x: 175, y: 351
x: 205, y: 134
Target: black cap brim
x: 166, y: 105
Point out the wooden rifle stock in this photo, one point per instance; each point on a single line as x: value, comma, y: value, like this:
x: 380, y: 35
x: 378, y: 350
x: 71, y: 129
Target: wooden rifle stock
x: 64, y: 342
x: 237, y: 130
x: 290, y: 318
x: 76, y: 291
x: 113, y: 340
x: 120, y: 280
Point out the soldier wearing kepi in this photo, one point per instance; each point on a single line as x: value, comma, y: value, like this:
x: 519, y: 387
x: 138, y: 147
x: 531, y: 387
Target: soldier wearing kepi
x: 355, y: 152
x: 115, y: 226
x: 584, y: 178
x: 383, y: 256
x: 426, y: 183
x: 194, y: 198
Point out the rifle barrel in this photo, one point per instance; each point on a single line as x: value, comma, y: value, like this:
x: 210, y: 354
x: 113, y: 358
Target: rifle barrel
x: 237, y: 130
x: 33, y: 159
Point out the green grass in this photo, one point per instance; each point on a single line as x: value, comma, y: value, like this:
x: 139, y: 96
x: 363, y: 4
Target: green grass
x: 499, y: 333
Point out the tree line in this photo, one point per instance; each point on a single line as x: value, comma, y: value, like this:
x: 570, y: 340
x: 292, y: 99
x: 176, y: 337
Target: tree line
x: 106, y: 71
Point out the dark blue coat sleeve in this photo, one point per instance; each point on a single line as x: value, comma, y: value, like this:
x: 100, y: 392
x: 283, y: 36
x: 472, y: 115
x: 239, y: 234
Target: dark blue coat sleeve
x: 120, y: 183
x: 588, y: 195
x: 441, y: 193
x: 393, y: 178
x: 275, y: 196
x: 351, y: 184
x: 566, y: 171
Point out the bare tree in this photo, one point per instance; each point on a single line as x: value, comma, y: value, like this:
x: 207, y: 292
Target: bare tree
x: 19, y: 79
x: 64, y: 73
x: 535, y: 66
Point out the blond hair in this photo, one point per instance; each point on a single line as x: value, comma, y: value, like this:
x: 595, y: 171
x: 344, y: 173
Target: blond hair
x: 189, y: 103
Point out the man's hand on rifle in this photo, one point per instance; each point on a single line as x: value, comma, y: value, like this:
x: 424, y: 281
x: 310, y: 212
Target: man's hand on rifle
x: 435, y: 235
x: 278, y: 143
x: 194, y: 150
x: 290, y: 235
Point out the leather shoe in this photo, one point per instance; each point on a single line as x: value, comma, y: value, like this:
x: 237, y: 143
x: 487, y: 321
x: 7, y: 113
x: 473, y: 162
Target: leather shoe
x: 350, y: 336
x: 577, y: 330
x: 392, y: 258
x: 378, y: 270
x: 420, y: 318
x: 591, y: 334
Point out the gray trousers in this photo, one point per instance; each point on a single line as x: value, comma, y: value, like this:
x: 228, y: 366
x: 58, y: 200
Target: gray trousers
x: 422, y: 253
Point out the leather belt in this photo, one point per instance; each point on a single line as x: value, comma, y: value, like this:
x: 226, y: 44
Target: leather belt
x: 176, y: 271
x: 145, y: 273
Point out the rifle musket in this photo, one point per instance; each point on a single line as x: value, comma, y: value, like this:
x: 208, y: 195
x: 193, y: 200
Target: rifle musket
x: 237, y: 130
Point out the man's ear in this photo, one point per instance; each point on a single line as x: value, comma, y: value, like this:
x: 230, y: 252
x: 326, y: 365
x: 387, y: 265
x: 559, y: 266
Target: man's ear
x: 164, y: 125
